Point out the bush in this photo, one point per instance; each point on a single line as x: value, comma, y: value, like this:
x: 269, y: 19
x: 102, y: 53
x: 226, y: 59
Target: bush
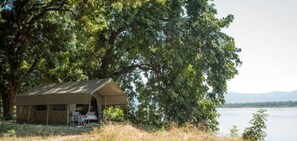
x: 10, y: 133
x: 256, y: 131
x: 114, y: 113
x: 234, y: 131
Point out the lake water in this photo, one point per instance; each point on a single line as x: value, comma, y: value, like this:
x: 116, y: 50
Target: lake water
x: 281, y: 122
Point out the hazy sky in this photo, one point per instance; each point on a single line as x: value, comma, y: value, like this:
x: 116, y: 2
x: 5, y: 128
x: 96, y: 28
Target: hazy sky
x: 266, y: 31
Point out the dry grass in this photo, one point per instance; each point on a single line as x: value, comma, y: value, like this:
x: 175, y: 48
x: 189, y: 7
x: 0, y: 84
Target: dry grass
x: 127, y: 132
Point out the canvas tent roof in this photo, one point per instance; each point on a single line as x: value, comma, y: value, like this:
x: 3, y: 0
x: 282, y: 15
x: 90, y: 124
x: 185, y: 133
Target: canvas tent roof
x: 74, y: 93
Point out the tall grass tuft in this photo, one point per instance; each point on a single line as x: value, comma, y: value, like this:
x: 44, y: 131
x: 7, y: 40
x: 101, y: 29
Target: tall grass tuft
x: 128, y: 132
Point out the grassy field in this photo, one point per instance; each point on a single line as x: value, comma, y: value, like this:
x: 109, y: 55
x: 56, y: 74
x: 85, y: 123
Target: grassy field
x: 112, y: 132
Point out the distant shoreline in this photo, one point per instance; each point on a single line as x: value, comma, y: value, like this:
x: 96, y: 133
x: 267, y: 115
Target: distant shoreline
x: 277, y: 104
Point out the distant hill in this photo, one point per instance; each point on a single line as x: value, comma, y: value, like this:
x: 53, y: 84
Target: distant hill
x: 280, y: 104
x: 263, y: 97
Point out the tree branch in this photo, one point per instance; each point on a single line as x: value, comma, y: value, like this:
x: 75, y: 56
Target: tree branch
x: 107, y: 58
x: 32, y: 66
x: 129, y: 69
x: 114, y: 35
x: 47, y: 8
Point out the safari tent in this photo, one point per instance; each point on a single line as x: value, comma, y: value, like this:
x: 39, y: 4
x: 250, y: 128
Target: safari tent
x: 55, y: 103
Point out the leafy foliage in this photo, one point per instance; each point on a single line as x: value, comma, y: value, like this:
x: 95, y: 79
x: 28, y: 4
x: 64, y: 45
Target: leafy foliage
x: 256, y: 131
x: 234, y: 131
x: 114, y: 113
x: 188, y: 63
x: 31, y: 31
x: 10, y: 133
x: 170, y: 56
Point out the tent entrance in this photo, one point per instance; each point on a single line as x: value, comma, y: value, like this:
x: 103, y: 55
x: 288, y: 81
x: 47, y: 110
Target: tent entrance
x: 96, y: 105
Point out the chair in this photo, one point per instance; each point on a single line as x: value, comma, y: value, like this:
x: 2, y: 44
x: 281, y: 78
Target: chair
x: 77, y: 117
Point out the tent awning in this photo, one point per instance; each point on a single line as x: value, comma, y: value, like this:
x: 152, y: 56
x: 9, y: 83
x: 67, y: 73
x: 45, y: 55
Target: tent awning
x: 73, y: 93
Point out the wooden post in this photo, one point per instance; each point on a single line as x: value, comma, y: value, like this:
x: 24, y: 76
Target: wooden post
x: 67, y: 112
x: 90, y: 104
x: 47, y: 114
x: 104, y: 102
x: 29, y: 113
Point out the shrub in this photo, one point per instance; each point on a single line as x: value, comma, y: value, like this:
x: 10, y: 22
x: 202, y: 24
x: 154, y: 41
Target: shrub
x: 234, y: 131
x: 256, y: 131
x: 114, y: 113
x: 10, y: 133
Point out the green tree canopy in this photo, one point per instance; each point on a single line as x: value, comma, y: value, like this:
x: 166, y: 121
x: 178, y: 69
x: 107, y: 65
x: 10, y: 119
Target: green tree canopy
x: 33, y: 38
x: 170, y: 56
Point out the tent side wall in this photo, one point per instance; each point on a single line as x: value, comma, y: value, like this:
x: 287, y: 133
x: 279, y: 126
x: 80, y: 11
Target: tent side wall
x: 41, y: 117
x: 26, y: 114
x: 57, y: 114
x: 33, y: 108
x: 38, y: 114
x: 99, y: 105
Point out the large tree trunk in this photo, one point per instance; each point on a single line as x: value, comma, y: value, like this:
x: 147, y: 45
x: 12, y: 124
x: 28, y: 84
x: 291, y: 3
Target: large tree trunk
x: 1, y: 105
x: 9, y: 99
x: 2, y: 90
